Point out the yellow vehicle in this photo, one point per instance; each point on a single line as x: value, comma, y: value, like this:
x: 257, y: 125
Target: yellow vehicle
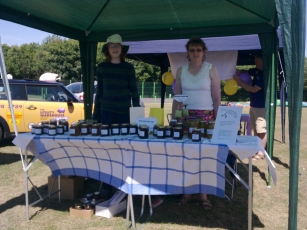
x: 34, y: 102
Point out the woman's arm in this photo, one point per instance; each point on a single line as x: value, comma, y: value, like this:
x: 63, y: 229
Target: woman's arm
x: 178, y: 91
x: 215, y: 89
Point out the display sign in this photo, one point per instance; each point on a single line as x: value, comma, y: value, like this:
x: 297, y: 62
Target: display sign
x: 227, y: 125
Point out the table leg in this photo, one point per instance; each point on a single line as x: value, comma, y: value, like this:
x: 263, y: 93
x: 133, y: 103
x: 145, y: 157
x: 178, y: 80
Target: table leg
x: 250, y: 193
x: 26, y: 184
x: 130, y: 208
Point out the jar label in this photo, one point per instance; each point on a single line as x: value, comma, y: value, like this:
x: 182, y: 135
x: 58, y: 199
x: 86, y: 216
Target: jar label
x: 132, y: 130
x: 141, y: 133
x: 155, y: 131
x: 124, y: 130
x: 65, y: 128
x: 168, y: 133
x: 45, y: 130
x: 38, y: 131
x: 52, y: 131
x: 195, y: 137
x: 72, y: 131
x: 160, y: 133
x: 104, y: 132
x: 115, y: 130
x: 84, y: 130
x: 59, y: 130
x: 209, y: 131
x: 176, y: 134
x: 94, y: 131
x: 202, y: 130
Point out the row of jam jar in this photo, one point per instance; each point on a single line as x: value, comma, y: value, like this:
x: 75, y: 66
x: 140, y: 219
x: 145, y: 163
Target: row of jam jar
x: 52, y: 127
x: 161, y: 132
x: 205, y: 127
x: 99, y: 129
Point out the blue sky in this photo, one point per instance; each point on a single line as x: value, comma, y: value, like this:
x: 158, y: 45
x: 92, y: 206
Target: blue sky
x: 15, y: 34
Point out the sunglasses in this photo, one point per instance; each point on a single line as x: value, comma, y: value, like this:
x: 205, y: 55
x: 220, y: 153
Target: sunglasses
x: 115, y: 46
x: 197, y: 50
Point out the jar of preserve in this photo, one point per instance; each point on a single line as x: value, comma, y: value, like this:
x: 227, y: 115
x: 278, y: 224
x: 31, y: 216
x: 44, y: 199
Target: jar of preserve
x: 115, y: 129
x: 173, y: 122
x: 155, y: 130
x: 89, y: 127
x: 177, y: 133
x: 38, y: 130
x: 46, y: 129
x: 203, y: 128
x: 84, y: 129
x: 97, y: 195
x: 60, y: 129
x: 74, y: 130
x: 133, y: 129
x: 96, y: 129
x: 161, y: 132
x: 124, y: 129
x: 168, y: 131
x: 89, y: 196
x: 52, y: 130
x: 64, y: 122
x: 53, y: 122
x: 143, y: 131
x: 192, y: 124
x: 33, y: 129
x: 196, y: 135
x: 45, y: 125
x: 104, y: 130
x: 210, y: 128
x: 87, y: 205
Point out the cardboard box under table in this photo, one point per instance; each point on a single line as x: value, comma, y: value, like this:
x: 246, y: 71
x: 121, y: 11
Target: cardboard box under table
x: 101, y: 209
x: 71, y: 186
x: 81, y: 213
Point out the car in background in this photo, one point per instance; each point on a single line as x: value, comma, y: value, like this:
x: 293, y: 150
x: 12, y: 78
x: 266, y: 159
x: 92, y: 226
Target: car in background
x: 34, y: 102
x: 77, y: 89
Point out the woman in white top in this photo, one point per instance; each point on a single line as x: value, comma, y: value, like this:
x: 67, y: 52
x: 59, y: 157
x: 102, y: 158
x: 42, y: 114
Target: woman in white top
x: 200, y: 81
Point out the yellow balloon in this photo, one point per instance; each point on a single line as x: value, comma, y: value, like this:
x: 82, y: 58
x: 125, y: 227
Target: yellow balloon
x: 231, y: 87
x: 167, y: 78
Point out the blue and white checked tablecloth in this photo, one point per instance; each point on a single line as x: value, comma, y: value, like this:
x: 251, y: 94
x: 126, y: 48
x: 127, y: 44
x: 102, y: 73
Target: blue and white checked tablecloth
x: 138, y: 166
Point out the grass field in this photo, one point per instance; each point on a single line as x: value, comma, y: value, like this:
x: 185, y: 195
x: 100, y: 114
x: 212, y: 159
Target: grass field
x: 270, y: 205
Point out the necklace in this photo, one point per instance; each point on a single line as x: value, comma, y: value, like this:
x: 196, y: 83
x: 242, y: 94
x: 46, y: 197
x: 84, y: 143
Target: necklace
x: 195, y: 73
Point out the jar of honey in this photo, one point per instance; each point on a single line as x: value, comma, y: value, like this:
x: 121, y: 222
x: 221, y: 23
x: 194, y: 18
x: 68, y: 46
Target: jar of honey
x: 192, y: 124
x: 210, y: 128
x: 203, y: 128
x: 196, y: 135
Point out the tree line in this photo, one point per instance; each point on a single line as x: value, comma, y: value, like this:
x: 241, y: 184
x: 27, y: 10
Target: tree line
x: 62, y: 56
